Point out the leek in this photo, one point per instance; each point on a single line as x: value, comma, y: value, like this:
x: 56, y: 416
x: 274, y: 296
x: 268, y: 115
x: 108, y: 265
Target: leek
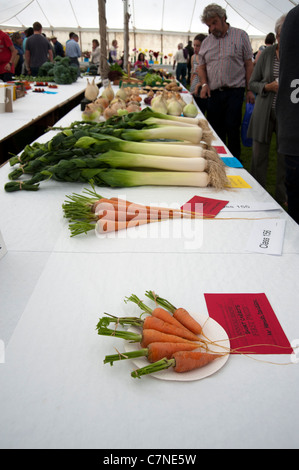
x: 129, y: 178
x: 116, y: 159
x: 192, y: 134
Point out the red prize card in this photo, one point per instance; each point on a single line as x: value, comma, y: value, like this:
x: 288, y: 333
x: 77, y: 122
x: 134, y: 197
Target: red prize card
x: 206, y: 206
x: 250, y: 323
x: 219, y: 149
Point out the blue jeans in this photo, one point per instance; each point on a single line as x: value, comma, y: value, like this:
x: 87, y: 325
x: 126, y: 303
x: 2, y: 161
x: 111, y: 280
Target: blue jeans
x: 292, y: 185
x: 181, y: 72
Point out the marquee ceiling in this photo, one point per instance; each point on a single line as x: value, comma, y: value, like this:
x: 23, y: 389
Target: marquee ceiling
x: 257, y: 17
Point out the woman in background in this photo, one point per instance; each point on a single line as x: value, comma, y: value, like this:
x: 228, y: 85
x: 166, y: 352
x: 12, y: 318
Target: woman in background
x: 263, y: 123
x: 141, y: 61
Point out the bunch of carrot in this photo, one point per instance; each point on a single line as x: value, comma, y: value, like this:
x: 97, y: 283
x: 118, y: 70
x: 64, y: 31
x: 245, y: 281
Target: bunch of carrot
x: 106, y: 215
x: 169, y: 337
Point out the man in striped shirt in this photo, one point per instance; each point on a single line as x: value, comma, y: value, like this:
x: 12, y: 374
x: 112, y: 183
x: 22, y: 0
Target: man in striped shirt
x: 226, y: 65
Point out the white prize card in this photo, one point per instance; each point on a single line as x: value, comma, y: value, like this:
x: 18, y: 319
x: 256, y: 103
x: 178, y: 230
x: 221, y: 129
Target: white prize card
x: 267, y: 236
x: 251, y: 206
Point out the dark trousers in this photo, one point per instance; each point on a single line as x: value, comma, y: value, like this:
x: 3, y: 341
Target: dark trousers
x: 6, y: 77
x: 181, y: 71
x: 224, y: 113
x: 292, y: 185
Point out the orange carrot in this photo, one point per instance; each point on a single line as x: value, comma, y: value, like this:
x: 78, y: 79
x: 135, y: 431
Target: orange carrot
x: 181, y: 361
x: 154, y: 209
x: 179, y: 314
x: 145, y: 338
x: 157, y: 312
x: 154, y: 352
x: 152, y: 336
x: 105, y: 226
x: 156, y: 323
x: 190, y: 360
x: 187, y: 320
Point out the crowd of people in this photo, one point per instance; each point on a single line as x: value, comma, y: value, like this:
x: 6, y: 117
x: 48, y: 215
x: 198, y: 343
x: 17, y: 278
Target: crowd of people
x: 225, y: 72
x: 222, y: 73
x: 24, y: 54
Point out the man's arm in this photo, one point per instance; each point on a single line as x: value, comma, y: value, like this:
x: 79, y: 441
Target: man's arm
x: 50, y: 55
x: 27, y: 60
x: 14, y: 54
x: 203, y: 82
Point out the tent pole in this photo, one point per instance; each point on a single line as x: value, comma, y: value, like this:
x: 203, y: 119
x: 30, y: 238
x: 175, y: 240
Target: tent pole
x: 126, y: 35
x: 104, y: 67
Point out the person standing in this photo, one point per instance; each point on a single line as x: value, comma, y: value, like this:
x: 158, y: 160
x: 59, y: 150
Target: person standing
x: 181, y: 59
x: 38, y: 50
x: 225, y: 59
x: 58, y: 48
x: 73, y: 51
x: 190, y: 50
x: 95, y: 57
x: 195, y: 85
x: 112, y: 57
x: 263, y: 122
x: 7, y: 57
x: 287, y: 108
x: 18, y: 45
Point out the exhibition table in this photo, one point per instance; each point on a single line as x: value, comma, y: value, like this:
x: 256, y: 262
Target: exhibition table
x: 55, y: 391
x: 35, y: 107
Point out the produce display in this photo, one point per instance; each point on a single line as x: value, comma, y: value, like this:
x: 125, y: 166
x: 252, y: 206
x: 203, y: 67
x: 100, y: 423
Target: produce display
x: 91, y: 211
x: 138, y: 149
x: 59, y: 71
x: 168, y: 337
x: 126, y: 100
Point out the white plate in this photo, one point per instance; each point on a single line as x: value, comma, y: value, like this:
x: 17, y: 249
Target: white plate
x: 211, y: 330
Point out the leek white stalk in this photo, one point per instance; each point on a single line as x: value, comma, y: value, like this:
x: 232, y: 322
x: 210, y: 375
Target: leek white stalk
x: 166, y: 122
x: 159, y: 148
x: 128, y: 178
x: 192, y: 134
x: 117, y: 159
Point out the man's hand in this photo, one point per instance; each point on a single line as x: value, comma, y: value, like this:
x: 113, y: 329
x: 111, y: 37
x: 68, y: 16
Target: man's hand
x: 7, y: 67
x: 250, y: 98
x: 205, y: 91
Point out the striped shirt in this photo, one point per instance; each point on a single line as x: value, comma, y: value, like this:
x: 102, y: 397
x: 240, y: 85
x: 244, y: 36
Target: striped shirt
x: 276, y: 76
x: 224, y: 58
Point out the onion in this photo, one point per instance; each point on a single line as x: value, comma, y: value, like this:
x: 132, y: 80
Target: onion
x: 174, y: 108
x: 108, y: 93
x: 190, y: 110
x: 159, y: 104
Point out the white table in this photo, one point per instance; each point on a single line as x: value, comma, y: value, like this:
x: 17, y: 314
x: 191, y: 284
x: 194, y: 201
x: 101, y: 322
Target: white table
x: 55, y: 391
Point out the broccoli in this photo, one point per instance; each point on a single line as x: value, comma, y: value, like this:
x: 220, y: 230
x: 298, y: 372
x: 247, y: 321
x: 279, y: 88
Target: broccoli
x: 45, y: 69
x: 65, y: 74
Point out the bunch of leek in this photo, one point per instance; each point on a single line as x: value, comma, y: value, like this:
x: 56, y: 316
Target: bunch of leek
x: 141, y: 149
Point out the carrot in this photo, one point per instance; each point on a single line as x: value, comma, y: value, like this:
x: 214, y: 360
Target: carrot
x: 139, y: 210
x: 167, y: 211
x: 156, y: 323
x: 181, y: 361
x: 105, y: 226
x: 157, y: 312
x: 149, y: 322
x: 154, y: 352
x: 179, y: 314
x: 145, y: 338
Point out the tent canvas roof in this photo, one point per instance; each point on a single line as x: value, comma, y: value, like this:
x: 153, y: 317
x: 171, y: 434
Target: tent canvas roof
x: 257, y: 17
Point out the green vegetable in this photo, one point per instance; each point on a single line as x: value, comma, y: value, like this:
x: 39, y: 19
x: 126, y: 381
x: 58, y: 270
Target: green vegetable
x: 60, y: 70
x: 152, y: 78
